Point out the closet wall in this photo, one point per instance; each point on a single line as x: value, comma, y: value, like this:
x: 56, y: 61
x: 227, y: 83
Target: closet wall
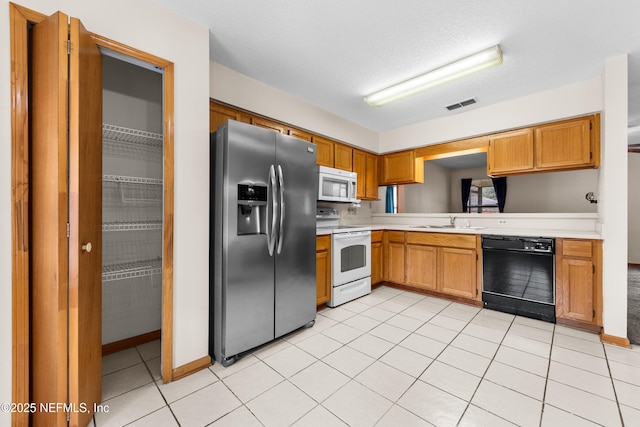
x: 132, y: 190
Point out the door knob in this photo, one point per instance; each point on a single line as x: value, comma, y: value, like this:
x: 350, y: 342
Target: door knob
x: 86, y: 247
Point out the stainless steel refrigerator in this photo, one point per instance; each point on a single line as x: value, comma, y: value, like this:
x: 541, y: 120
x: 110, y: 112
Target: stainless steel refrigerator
x: 263, y: 231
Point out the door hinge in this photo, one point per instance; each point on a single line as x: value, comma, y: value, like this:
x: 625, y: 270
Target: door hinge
x: 590, y: 125
x: 594, y: 314
x: 591, y: 155
x: 68, y: 230
x: 476, y: 257
x: 593, y: 268
x: 68, y: 47
x: 68, y: 416
x: 476, y: 291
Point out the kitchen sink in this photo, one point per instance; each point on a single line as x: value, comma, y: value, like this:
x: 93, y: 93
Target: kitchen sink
x: 433, y: 226
x: 447, y: 226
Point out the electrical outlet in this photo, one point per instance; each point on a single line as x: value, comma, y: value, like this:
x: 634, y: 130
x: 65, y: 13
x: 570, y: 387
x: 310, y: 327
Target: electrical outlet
x: 502, y: 221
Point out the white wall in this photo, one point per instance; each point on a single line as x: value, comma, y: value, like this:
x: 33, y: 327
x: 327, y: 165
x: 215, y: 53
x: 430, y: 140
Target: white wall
x: 552, y: 192
x: 241, y: 91
x: 153, y: 29
x: 634, y: 208
x: 612, y: 204
x: 434, y: 195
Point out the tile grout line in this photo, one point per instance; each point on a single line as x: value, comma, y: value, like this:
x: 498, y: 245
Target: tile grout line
x: 613, y: 384
x: 485, y: 372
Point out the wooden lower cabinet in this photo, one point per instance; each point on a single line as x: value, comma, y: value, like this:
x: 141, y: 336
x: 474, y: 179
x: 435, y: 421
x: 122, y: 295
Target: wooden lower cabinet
x: 394, y: 256
x: 323, y: 269
x: 458, y: 272
x: 377, y: 259
x: 579, y: 280
x: 445, y: 263
x: 421, y: 267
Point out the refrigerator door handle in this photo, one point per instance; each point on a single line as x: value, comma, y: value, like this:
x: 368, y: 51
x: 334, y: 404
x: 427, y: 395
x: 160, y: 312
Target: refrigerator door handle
x: 281, y: 186
x: 271, y: 207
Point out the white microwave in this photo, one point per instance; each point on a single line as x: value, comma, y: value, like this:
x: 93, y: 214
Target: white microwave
x: 336, y: 185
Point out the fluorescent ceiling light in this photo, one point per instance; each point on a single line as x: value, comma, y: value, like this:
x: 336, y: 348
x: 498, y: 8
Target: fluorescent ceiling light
x: 477, y: 62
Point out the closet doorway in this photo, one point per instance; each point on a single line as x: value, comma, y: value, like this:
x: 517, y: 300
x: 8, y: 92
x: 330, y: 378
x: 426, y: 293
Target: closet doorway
x: 50, y: 317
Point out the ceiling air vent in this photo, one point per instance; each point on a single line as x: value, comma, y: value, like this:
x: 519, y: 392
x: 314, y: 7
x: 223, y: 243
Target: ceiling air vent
x: 461, y: 104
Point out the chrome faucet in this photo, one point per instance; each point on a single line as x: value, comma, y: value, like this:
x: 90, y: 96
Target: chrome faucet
x: 452, y: 221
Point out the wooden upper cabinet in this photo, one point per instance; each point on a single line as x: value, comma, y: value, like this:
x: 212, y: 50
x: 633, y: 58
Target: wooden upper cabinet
x: 219, y: 114
x: 268, y: 124
x: 510, y: 152
x: 300, y: 134
x: 400, y: 168
x: 371, y: 177
x: 565, y: 145
x: 343, y: 157
x: 366, y: 166
x: 324, y: 151
x: 360, y: 167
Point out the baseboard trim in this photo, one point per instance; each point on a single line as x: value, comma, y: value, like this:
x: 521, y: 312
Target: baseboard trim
x: 126, y: 343
x: 191, y: 367
x: 575, y: 324
x: 612, y: 339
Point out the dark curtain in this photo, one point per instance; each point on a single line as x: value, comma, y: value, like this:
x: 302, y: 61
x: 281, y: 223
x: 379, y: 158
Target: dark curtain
x: 500, y: 185
x: 465, y: 187
x: 389, y: 200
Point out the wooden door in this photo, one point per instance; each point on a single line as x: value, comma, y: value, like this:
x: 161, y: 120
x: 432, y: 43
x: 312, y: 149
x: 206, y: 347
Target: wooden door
x: 576, y: 278
x: 457, y: 272
x: 323, y: 269
x: 371, y: 177
x: 66, y: 199
x: 360, y: 167
x: 324, y: 151
x: 395, y: 262
x: 85, y: 221
x: 565, y: 145
x: 343, y: 157
x: 421, y: 266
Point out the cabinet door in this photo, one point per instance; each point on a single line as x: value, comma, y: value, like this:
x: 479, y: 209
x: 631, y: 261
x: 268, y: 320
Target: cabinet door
x: 376, y: 263
x: 323, y: 269
x: 577, y: 287
x: 395, y: 262
x: 267, y: 124
x: 219, y: 114
x: 510, y: 152
x: 401, y: 168
x: 324, y: 151
x: 371, y: 177
x: 300, y: 134
x: 457, y: 272
x: 343, y: 157
x: 360, y: 167
x: 565, y: 145
x: 421, y: 267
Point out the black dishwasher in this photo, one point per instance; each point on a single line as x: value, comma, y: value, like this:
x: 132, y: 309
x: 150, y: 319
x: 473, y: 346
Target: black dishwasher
x: 518, y: 275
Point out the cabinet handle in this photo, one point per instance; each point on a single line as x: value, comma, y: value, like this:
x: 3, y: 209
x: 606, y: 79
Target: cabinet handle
x: 86, y: 247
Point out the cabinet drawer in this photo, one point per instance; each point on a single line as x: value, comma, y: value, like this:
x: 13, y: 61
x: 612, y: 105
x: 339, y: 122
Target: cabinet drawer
x: 376, y: 236
x: 323, y: 243
x: 577, y: 248
x: 396, y: 236
x: 442, y: 239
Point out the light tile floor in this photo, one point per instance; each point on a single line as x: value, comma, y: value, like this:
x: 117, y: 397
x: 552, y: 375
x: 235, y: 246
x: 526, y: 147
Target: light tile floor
x: 392, y: 358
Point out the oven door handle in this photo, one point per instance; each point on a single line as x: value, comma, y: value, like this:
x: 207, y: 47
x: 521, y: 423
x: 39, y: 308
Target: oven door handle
x: 351, y: 235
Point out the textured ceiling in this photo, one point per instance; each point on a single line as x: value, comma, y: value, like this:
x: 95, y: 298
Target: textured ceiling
x: 331, y: 53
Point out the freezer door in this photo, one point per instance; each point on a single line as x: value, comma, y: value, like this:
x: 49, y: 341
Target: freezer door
x: 295, y: 286
x: 244, y: 270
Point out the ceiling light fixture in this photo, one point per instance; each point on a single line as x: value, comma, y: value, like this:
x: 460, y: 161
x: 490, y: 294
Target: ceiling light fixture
x: 477, y: 62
